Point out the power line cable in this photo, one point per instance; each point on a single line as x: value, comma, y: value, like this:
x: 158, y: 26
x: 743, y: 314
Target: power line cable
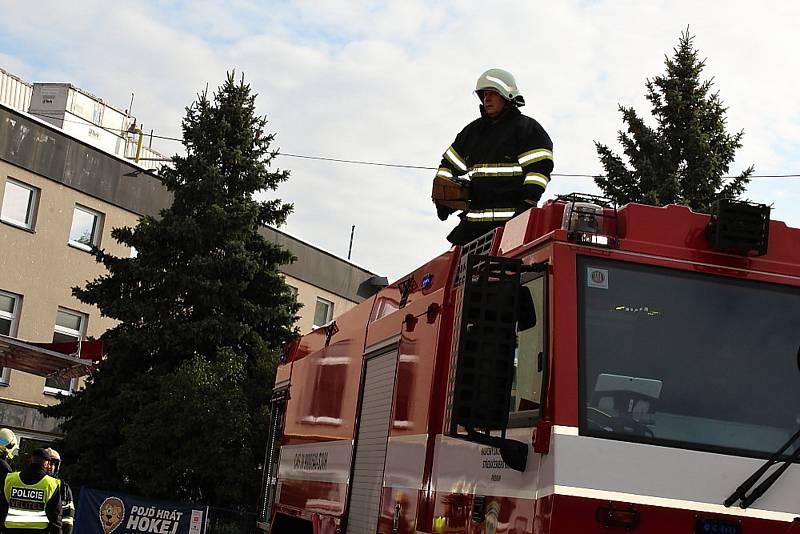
x: 372, y: 163
x: 358, y: 162
x: 567, y: 175
x: 61, y: 117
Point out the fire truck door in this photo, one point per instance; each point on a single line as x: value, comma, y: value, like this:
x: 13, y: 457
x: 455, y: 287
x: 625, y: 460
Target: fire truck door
x: 370, y: 448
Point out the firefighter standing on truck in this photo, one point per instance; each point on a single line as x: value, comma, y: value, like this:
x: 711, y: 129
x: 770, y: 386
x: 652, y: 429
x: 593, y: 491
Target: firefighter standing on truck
x: 67, y: 502
x: 30, y: 502
x: 504, y: 157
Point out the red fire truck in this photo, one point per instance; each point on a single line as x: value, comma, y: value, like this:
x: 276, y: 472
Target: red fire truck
x: 585, y: 369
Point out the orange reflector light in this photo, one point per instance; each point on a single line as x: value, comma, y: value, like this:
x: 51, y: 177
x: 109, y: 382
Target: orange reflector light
x: 609, y: 516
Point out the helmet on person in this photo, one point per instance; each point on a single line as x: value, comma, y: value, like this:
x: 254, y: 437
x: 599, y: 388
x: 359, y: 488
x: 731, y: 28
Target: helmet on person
x: 55, y: 459
x: 8, y: 443
x: 502, y: 82
x: 41, y: 456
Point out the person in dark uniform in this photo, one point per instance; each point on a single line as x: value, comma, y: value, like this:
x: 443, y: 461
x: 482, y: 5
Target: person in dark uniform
x: 67, y: 501
x: 8, y: 449
x: 503, y: 159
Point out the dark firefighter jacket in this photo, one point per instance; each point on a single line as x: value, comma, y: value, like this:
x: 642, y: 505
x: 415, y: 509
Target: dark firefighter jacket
x: 5, y: 468
x: 67, y: 509
x: 507, y: 161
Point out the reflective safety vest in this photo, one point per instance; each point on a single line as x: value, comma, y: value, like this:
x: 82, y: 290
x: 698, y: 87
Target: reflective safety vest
x: 27, y: 502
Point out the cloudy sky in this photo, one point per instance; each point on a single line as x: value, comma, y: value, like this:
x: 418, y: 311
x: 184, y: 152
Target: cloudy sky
x: 391, y: 81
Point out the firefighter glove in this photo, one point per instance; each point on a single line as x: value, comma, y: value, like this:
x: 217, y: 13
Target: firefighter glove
x: 443, y: 212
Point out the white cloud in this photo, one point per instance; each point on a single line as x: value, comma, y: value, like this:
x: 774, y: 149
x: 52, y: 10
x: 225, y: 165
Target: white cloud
x: 392, y: 81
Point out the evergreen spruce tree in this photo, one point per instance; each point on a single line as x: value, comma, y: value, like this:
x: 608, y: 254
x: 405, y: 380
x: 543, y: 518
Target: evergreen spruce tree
x: 683, y: 158
x: 177, y: 410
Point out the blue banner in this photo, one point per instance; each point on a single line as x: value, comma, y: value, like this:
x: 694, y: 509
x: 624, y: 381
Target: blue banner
x: 105, y: 512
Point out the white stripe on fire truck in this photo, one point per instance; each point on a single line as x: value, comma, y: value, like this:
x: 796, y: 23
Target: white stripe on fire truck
x: 662, y: 502
x: 661, y: 476
x: 570, y: 460
x: 565, y: 430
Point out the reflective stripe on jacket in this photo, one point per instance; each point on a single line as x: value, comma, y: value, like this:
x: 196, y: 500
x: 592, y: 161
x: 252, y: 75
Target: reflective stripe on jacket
x: 27, y: 502
x: 490, y: 215
x: 67, y: 509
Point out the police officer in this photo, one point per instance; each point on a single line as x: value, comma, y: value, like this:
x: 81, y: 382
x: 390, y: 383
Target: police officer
x: 8, y: 449
x: 31, y: 499
x: 506, y: 156
x: 67, y: 502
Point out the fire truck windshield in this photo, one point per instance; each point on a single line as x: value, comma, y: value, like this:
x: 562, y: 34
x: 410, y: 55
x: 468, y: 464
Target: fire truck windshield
x: 686, y: 359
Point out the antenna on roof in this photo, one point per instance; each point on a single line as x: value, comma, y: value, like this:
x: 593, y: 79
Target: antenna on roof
x: 350, y: 249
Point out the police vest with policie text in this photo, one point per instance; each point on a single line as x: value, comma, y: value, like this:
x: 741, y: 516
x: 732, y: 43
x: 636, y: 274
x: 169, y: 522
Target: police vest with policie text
x: 27, y: 502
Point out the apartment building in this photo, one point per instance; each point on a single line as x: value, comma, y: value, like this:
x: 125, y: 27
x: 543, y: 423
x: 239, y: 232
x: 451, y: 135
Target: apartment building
x: 58, y: 196
x: 343, y: 283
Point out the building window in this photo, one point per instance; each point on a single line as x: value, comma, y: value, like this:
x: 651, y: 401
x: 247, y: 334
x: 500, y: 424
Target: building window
x: 19, y: 204
x: 97, y: 113
x: 292, y: 291
x: 70, y: 326
x: 323, y: 313
x: 5, y: 376
x: 9, y: 316
x: 85, y: 231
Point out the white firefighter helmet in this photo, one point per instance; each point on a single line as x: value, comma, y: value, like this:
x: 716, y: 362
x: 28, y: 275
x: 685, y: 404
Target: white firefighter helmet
x: 55, y: 459
x: 502, y: 82
x: 8, y: 443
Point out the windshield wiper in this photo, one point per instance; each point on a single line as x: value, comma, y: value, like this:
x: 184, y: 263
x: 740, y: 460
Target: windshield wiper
x: 741, y: 491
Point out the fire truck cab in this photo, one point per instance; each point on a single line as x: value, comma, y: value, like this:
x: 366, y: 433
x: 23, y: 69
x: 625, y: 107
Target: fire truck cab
x: 584, y: 369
